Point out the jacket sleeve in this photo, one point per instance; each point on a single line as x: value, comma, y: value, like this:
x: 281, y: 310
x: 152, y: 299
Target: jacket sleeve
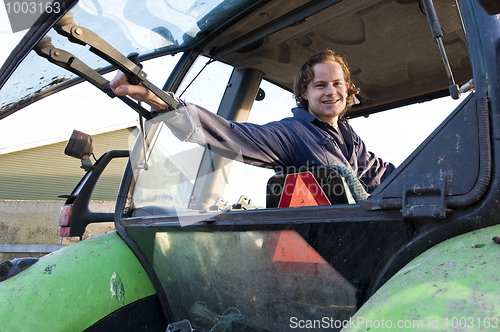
x: 267, y: 145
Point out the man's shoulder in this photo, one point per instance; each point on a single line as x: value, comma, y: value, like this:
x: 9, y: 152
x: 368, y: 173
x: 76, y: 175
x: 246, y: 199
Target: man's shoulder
x: 302, y: 114
x: 299, y: 119
x: 300, y: 124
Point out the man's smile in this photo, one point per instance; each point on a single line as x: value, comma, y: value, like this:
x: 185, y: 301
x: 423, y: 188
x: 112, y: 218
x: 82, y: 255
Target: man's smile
x: 331, y: 101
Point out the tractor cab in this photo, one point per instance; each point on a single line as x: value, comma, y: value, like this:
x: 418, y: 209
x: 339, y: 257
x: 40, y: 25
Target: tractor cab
x: 205, y: 240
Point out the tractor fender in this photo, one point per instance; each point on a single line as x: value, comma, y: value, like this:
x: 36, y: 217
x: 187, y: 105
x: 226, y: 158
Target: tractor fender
x: 451, y: 286
x: 74, y: 287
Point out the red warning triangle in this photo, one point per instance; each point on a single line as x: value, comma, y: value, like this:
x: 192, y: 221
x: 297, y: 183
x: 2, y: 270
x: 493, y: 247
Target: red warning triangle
x: 302, y: 189
x: 291, y: 254
x: 293, y: 248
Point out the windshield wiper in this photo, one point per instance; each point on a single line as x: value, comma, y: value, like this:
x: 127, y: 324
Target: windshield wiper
x: 70, y: 62
x: 130, y: 66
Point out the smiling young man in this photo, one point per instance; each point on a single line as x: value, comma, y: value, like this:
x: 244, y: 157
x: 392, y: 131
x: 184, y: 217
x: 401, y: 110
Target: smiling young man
x: 316, y: 135
x: 327, y: 92
x: 324, y: 87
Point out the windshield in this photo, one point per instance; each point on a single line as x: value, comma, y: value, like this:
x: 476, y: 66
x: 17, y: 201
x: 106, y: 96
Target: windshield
x: 145, y: 27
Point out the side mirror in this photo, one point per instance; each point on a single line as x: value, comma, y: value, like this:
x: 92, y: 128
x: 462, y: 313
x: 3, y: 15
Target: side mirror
x: 75, y: 214
x: 80, y: 146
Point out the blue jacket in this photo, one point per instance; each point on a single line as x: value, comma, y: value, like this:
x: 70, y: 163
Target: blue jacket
x: 291, y: 144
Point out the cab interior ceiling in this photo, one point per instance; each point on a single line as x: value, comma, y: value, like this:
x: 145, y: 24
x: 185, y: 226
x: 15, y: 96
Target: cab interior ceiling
x: 388, y: 45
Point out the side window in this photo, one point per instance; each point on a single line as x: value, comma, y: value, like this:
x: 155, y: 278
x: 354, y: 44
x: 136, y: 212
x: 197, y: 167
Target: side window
x: 205, y: 86
x: 393, y: 135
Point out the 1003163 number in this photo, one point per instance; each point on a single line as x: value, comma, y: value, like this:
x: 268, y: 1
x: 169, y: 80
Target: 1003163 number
x: 25, y: 7
x: 471, y: 322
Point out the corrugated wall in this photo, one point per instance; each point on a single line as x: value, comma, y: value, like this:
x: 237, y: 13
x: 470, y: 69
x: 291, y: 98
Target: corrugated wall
x: 44, y: 172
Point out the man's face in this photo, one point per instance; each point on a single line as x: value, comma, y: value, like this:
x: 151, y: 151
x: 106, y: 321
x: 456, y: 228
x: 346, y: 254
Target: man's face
x: 327, y: 92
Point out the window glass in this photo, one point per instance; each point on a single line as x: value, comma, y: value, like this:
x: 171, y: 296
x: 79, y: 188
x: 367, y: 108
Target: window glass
x: 393, y: 135
x: 205, y: 83
x: 129, y: 26
x: 249, y: 281
x: 167, y: 177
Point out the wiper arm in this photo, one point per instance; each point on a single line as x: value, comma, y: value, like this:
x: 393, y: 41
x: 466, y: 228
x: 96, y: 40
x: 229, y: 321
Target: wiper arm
x: 83, y: 36
x: 71, y: 63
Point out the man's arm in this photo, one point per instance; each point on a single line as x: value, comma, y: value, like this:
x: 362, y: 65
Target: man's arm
x: 263, y: 146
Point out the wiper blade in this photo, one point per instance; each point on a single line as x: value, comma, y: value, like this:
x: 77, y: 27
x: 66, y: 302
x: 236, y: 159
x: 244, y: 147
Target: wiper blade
x: 71, y: 63
x: 130, y: 67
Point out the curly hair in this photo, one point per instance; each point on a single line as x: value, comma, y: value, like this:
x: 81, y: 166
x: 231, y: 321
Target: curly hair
x: 306, y: 74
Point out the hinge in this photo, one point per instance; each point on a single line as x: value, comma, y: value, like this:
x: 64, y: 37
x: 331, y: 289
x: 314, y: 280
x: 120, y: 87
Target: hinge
x: 424, y: 196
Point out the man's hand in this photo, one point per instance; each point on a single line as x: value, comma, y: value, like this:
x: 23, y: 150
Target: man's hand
x: 121, y: 87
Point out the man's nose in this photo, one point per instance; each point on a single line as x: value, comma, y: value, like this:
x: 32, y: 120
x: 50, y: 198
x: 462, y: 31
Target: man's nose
x: 330, y: 90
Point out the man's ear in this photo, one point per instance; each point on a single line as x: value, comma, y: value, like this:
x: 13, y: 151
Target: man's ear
x: 304, y: 95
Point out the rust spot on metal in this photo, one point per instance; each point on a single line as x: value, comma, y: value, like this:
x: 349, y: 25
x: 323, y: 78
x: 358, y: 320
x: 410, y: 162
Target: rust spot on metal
x: 54, y: 82
x: 13, y: 105
x: 6, y: 106
x: 21, y: 103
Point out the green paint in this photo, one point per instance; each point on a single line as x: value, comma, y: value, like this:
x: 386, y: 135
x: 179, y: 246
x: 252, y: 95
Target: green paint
x: 453, y: 286
x: 74, y: 287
